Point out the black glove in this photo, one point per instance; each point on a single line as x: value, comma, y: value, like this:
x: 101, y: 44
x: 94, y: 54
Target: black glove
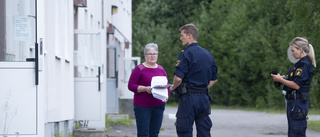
x: 276, y: 84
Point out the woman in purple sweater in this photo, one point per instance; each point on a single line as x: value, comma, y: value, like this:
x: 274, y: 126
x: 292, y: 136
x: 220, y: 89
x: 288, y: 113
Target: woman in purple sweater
x: 147, y: 109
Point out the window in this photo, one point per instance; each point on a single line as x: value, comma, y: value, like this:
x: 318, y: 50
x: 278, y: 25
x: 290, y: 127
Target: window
x: 17, y: 25
x: 87, y: 54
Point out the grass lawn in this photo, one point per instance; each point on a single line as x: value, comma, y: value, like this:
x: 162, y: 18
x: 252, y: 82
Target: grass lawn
x: 314, y: 125
x: 109, y: 122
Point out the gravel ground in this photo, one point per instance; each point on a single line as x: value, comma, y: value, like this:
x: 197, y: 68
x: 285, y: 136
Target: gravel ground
x: 226, y: 123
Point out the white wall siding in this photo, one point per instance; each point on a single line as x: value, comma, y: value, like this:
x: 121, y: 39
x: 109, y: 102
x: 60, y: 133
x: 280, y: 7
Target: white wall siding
x: 58, y: 65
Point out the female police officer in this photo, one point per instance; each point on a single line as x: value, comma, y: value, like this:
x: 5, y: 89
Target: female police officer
x: 297, y: 85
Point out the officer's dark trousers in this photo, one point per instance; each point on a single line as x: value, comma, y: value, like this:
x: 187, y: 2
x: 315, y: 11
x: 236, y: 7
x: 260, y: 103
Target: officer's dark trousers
x: 297, y: 123
x: 193, y: 107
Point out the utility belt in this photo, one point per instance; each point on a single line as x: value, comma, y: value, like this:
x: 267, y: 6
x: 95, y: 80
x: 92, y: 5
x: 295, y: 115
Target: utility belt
x: 303, y: 96
x: 198, y: 91
x: 183, y: 90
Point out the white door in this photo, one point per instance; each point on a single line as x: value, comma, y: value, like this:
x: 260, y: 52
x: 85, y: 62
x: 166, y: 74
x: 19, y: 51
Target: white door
x: 90, y: 90
x: 112, y: 80
x: 18, y: 100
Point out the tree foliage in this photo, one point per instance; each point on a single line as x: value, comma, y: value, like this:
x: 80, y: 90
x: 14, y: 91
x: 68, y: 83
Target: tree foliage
x: 247, y: 38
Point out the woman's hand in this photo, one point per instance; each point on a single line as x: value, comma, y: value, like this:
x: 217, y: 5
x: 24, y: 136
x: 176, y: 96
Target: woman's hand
x: 277, y: 77
x: 165, y: 100
x: 171, y: 88
x: 144, y: 89
x: 148, y: 90
x: 282, y: 79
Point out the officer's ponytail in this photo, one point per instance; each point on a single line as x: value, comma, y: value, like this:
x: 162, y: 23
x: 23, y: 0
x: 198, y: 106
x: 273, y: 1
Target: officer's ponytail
x: 306, y: 47
x: 311, y: 55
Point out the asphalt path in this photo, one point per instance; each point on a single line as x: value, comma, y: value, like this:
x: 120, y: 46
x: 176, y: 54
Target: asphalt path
x: 226, y: 123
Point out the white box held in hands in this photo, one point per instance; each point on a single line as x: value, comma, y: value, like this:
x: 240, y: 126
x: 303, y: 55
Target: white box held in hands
x: 159, y: 86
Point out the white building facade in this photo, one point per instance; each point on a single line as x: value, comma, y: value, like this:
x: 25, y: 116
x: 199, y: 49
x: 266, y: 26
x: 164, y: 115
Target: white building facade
x: 60, y: 62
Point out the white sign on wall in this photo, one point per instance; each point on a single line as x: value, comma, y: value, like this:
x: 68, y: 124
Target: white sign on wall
x: 22, y: 28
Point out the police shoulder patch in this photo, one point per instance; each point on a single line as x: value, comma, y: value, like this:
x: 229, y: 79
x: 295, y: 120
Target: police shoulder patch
x: 178, y: 62
x: 298, y: 72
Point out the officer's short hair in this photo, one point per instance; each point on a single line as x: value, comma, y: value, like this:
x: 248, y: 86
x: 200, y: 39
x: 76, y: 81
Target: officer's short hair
x: 150, y: 46
x: 190, y: 29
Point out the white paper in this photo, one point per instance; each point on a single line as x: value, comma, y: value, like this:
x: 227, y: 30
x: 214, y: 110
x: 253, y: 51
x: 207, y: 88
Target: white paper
x: 22, y: 28
x: 159, y: 93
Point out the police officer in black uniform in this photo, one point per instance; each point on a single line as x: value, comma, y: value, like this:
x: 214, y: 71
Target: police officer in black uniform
x: 297, y: 86
x: 197, y: 71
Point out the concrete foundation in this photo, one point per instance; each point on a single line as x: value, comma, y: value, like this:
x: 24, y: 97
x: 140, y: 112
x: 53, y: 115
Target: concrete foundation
x: 88, y: 132
x: 126, y: 107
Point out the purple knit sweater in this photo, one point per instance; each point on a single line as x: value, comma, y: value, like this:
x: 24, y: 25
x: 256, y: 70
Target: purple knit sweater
x: 142, y: 75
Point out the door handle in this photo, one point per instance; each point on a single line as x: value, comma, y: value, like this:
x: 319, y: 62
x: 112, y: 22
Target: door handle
x: 36, y: 62
x: 99, y: 76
